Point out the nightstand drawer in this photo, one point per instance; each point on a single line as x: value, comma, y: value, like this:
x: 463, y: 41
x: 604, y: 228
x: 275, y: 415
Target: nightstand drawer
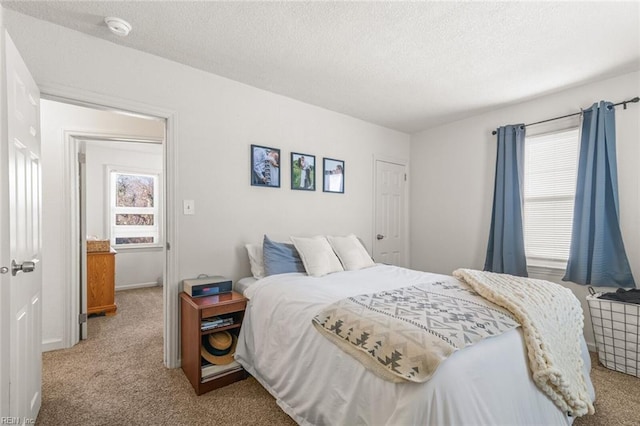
x: 236, y: 306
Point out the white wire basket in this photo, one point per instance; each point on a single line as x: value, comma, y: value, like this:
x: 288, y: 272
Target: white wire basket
x: 616, y: 328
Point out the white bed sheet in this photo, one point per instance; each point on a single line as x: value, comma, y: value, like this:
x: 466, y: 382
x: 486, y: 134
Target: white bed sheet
x: 316, y: 383
x: 243, y: 283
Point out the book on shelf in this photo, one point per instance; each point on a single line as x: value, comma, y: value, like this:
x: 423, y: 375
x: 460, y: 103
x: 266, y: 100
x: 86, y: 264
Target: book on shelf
x: 210, y: 371
x: 215, y: 322
x: 217, y: 376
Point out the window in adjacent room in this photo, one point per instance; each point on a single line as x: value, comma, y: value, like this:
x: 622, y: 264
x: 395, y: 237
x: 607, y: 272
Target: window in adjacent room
x: 550, y: 172
x: 134, y: 214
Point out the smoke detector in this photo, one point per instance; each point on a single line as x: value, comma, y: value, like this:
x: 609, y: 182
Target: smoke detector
x: 118, y: 26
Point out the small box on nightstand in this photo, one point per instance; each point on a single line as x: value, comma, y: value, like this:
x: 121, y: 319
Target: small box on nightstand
x: 207, y: 286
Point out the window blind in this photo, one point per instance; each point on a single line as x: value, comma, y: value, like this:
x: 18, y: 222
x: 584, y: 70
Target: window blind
x: 550, y: 171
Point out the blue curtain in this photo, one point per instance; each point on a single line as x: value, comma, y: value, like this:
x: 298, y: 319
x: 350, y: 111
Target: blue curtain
x: 597, y: 254
x: 505, y: 251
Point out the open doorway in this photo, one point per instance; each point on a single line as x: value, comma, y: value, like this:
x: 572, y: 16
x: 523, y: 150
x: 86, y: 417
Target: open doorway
x: 89, y: 151
x: 121, y: 186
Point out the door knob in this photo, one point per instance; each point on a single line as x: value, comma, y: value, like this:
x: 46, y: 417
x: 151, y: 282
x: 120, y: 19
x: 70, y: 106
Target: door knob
x: 379, y: 236
x: 4, y: 270
x: 26, y: 266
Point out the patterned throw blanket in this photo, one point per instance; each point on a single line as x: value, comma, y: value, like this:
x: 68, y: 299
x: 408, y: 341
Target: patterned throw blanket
x: 404, y: 334
x: 552, y: 321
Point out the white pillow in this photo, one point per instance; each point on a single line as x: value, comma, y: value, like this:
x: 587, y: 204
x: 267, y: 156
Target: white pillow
x: 351, y: 252
x: 317, y: 255
x: 256, y: 260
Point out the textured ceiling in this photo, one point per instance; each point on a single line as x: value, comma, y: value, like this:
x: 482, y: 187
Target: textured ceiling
x: 403, y: 65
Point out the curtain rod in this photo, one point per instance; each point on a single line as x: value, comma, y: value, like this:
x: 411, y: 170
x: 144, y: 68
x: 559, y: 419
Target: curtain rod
x: 624, y: 103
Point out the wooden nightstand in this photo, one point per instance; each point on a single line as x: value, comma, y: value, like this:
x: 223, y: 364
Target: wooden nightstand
x: 192, y: 311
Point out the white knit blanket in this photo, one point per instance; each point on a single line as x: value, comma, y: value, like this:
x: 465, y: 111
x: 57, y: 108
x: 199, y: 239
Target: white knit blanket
x: 552, y: 321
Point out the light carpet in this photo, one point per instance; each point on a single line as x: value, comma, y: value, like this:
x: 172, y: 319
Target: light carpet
x: 117, y: 377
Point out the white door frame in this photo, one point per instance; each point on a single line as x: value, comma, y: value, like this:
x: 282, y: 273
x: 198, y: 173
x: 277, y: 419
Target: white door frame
x: 75, y: 301
x: 170, y: 288
x: 405, y: 164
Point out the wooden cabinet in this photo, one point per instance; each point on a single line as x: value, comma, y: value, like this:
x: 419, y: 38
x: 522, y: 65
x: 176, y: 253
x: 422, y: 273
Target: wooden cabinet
x: 192, y: 311
x: 101, y: 282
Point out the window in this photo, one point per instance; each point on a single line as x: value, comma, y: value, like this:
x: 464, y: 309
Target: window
x: 550, y: 172
x: 134, y: 217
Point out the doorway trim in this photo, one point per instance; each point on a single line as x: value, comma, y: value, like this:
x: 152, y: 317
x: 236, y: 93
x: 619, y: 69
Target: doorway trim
x: 407, y: 192
x: 94, y: 100
x: 75, y: 145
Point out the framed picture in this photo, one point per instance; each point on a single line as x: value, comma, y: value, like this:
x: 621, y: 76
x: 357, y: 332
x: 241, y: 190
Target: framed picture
x: 265, y: 166
x: 333, y: 174
x: 303, y: 172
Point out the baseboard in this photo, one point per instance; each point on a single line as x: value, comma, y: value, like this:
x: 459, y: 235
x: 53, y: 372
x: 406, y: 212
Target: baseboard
x: 136, y: 285
x: 52, y: 345
x: 591, y: 346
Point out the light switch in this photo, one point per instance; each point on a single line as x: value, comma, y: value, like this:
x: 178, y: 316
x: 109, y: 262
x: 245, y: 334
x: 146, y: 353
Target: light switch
x: 189, y: 207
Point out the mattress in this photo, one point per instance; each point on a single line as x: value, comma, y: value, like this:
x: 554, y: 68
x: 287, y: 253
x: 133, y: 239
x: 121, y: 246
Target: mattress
x: 316, y: 383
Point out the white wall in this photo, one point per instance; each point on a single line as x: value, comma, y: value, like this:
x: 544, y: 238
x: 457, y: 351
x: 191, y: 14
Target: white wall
x: 453, y: 173
x: 134, y: 267
x: 56, y: 119
x: 216, y: 120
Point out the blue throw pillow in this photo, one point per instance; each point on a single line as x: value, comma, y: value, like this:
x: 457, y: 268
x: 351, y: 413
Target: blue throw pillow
x: 280, y: 258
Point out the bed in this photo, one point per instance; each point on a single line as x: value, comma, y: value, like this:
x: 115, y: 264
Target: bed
x: 317, y: 383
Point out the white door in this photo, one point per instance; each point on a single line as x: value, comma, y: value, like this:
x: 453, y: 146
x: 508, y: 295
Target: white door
x: 23, y: 337
x: 390, y: 239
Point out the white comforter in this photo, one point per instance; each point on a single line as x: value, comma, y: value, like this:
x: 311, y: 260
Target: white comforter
x: 317, y: 383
